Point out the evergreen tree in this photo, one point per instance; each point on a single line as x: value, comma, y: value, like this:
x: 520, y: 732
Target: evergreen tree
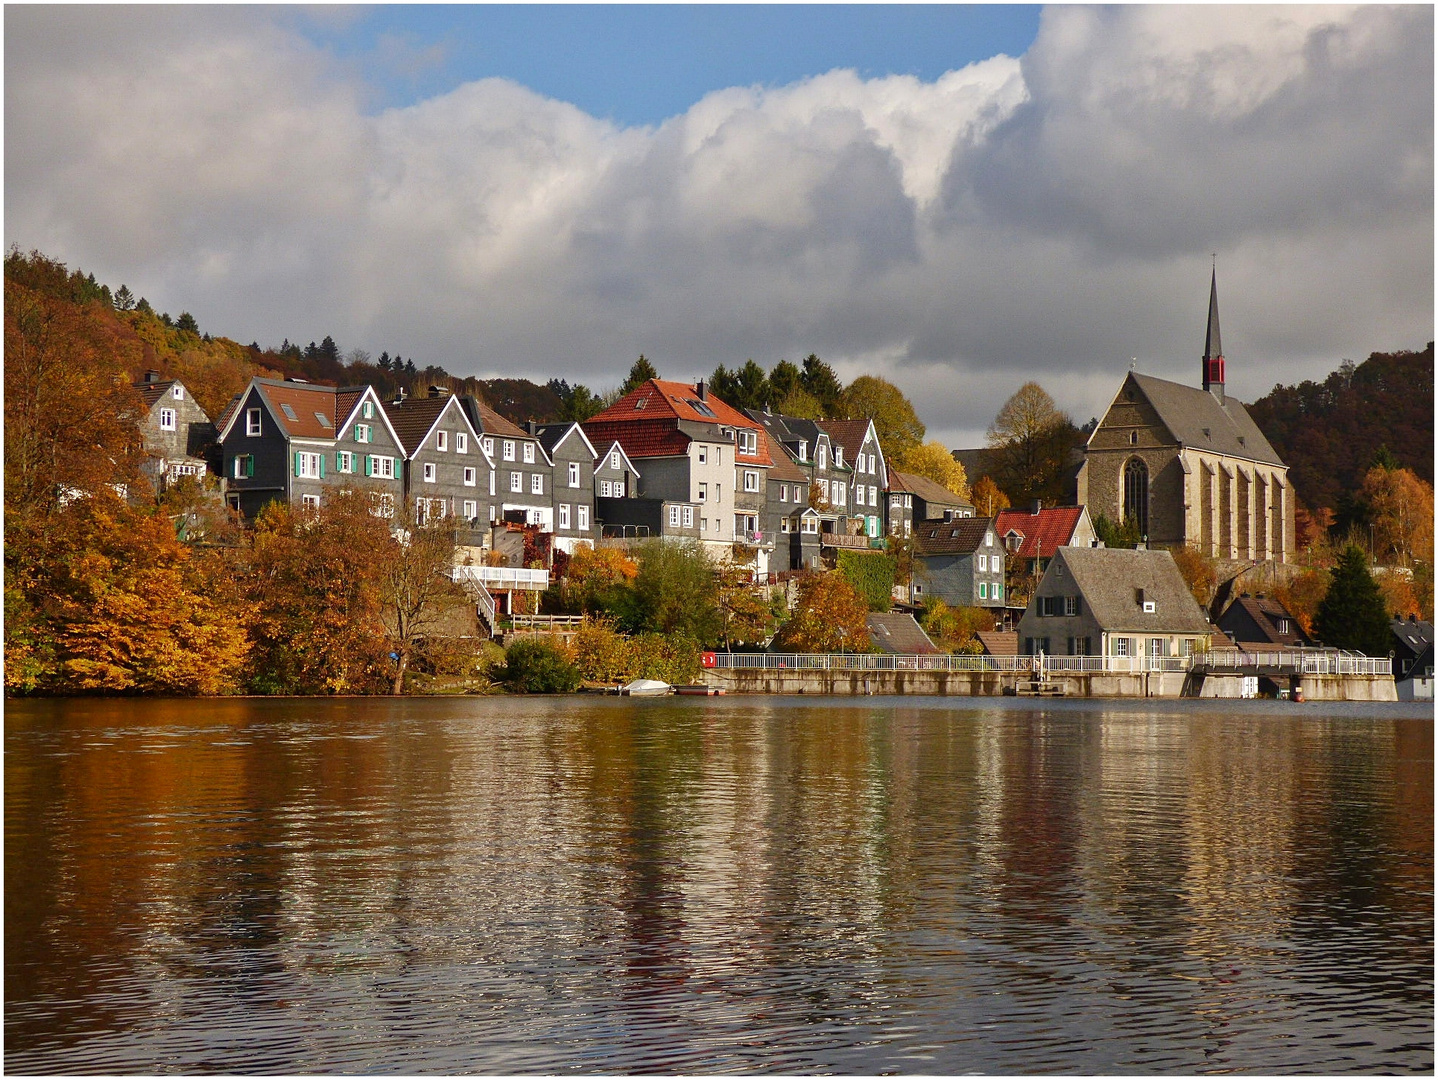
x: 1353, y: 616
x: 124, y: 299
x: 819, y: 379
x: 639, y: 374
x: 783, y: 381
x: 384, y: 361
x: 409, y: 368
x: 187, y: 322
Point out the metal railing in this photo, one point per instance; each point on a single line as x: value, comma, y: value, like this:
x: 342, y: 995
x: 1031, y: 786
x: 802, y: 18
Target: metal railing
x: 548, y: 622
x: 1299, y: 661
x: 505, y: 577
x: 1304, y: 662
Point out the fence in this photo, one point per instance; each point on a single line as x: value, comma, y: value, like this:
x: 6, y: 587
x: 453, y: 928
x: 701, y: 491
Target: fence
x: 504, y: 577
x: 548, y: 622
x: 1305, y: 662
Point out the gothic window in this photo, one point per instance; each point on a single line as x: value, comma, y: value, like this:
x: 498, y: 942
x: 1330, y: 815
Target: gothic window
x: 1135, y: 494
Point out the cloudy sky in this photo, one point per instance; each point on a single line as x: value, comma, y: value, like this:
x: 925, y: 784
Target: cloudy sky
x: 958, y: 199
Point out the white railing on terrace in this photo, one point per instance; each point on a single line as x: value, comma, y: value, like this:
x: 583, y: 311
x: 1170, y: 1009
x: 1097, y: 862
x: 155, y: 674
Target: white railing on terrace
x: 504, y: 577
x: 1305, y: 662
x: 548, y: 622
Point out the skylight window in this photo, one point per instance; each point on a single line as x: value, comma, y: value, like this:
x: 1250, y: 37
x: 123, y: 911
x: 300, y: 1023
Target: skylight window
x: 289, y: 412
x: 323, y: 419
x: 701, y: 408
x: 640, y: 403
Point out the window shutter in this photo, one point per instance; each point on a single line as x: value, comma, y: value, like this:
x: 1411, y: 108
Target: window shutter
x: 297, y: 463
x: 250, y: 466
x: 368, y: 464
x: 322, y: 466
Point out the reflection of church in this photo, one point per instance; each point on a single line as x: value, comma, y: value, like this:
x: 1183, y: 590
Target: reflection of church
x: 1190, y: 466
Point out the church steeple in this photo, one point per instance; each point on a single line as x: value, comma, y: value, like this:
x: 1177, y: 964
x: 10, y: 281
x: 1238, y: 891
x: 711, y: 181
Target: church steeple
x: 1213, y: 344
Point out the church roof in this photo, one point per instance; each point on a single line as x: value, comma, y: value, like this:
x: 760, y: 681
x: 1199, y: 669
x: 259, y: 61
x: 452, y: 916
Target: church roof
x: 1197, y: 419
x: 1213, y: 343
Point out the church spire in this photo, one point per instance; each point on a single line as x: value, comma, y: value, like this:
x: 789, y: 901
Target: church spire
x: 1213, y: 344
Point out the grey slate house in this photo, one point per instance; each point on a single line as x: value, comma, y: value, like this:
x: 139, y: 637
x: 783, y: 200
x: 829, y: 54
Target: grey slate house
x: 294, y: 441
x: 827, y: 478
x: 1113, y: 602
x: 922, y: 500
x: 573, y: 459
x: 446, y: 472
x: 177, y: 434
x: 869, y: 478
x: 522, y: 487
x: 960, y: 561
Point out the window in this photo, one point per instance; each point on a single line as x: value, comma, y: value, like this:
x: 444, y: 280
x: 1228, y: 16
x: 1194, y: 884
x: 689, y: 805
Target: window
x: 983, y: 590
x: 379, y: 466
x: 751, y: 480
x: 441, y: 440
x: 322, y: 420
x: 430, y: 472
x: 1133, y: 438
x: 177, y: 392
x: 1071, y: 605
x: 619, y: 488
x: 896, y: 502
x: 803, y: 450
x: 469, y: 476
x: 988, y: 539
x: 362, y: 433
x: 784, y: 493
x: 703, y: 455
x: 344, y: 461
x: 703, y: 492
x: 838, y: 457
x: 367, y: 410
x: 703, y: 524
x: 997, y: 591
x: 858, y: 494
x: 487, y: 445
x: 1157, y: 646
x: 536, y: 483
x: 748, y: 442
x: 689, y: 517
x: 244, y: 466
x: 873, y: 495
x: 461, y: 443
x: 583, y: 518
x: 604, y: 489
x: 308, y: 466
x: 310, y: 502
x: 811, y: 525
x: 564, y: 515
x: 516, y: 481
x: 674, y: 516
x: 841, y: 493
x: 821, y: 456
x: 574, y: 474
x: 1135, y: 494
x: 859, y: 462
x: 421, y: 511
x: 824, y: 490
x: 491, y: 482
x: 529, y: 453
x: 289, y: 412
x: 1283, y: 626
x: 873, y: 464
x: 508, y: 449
x: 252, y: 421
x: 167, y: 419
x: 471, y: 508
x: 984, y: 563
x: 614, y: 460
x: 783, y: 524
x: 1120, y: 646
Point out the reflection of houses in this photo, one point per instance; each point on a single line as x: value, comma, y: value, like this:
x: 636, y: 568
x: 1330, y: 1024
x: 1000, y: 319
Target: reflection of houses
x: 1189, y: 466
x: 1413, y: 659
x: 1260, y: 622
x: 176, y: 432
x: 960, y: 561
x: 1113, y: 602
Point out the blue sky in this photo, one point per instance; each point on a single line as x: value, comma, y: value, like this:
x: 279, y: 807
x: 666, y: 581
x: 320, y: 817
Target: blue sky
x: 641, y: 64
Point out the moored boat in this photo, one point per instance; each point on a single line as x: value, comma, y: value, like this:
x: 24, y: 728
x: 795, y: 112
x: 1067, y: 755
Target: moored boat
x: 646, y: 688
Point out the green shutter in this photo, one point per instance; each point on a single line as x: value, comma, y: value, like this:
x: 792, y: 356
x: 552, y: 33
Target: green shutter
x: 368, y: 464
x: 297, y: 463
x: 322, y: 466
x: 250, y: 466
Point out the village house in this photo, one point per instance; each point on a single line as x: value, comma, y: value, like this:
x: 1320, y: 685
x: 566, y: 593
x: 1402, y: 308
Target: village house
x: 447, y: 474
x: 959, y: 561
x: 291, y: 441
x: 176, y: 433
x: 1413, y: 658
x: 793, y: 523
x: 869, y: 478
x: 915, y: 499
x: 1261, y: 622
x: 522, y: 482
x: 1113, y: 602
x: 1189, y: 466
x: 572, y: 482
x: 1032, y: 536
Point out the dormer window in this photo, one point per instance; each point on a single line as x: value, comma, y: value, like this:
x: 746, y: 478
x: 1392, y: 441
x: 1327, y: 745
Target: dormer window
x: 367, y: 410
x: 252, y: 421
x: 614, y: 460
x: 803, y: 450
x: 838, y: 457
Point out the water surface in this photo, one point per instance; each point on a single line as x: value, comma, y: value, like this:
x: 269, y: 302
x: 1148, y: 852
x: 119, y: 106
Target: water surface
x: 707, y: 885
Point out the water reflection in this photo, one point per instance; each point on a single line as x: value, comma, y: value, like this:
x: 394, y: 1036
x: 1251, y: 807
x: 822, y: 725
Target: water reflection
x: 596, y: 885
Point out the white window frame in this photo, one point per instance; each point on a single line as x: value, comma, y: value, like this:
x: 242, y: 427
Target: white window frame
x: 471, y: 509
x: 703, y: 454
x: 614, y: 460
x: 310, y: 502
x: 784, y: 494
x: 508, y: 446
x: 344, y: 461
x: 367, y: 410
x: 751, y: 479
x: 492, y: 475
x: 487, y: 444
x: 381, y: 466
x: 431, y: 472
x: 873, y: 495
x: 529, y: 453
x: 858, y: 494
x: 564, y: 515
x: 605, y: 487
x: 1119, y: 646
x: 253, y: 424
x: 167, y: 419
x: 688, y: 517
x: 177, y: 392
x: 461, y: 442
x: 362, y: 433
x: 840, y: 493
x: 516, y: 481
x: 470, y: 476
x: 674, y: 517
x: 536, y: 483
x: 703, y: 493
x: 574, y: 474
x: 583, y: 512
x: 441, y: 441
x: 983, y: 564
x: 307, y: 465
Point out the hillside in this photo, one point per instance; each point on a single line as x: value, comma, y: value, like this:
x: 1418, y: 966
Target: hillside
x: 1329, y: 432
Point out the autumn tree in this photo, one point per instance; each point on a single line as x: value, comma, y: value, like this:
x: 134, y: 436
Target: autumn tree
x: 934, y: 461
x: 988, y: 498
x: 871, y: 398
x: 596, y: 579
x: 955, y: 629
x: 416, y: 590
x: 1199, y: 573
x: 1030, y: 442
x: 1401, y: 509
x: 674, y: 591
x: 1352, y: 614
x: 830, y: 617
x: 802, y: 404
x: 744, y: 608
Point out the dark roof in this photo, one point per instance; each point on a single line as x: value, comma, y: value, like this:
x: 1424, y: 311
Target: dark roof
x: 151, y: 392
x: 1213, y: 343
x: 1261, y: 627
x: 849, y: 434
x: 899, y: 633
x: 784, y: 468
x: 488, y: 422
x: 552, y: 434
x: 1414, y: 635
x: 926, y: 489
x: 999, y: 642
x: 1197, y: 419
x: 1043, y: 532
x: 1108, y: 579
x: 413, y: 418
x: 958, y: 537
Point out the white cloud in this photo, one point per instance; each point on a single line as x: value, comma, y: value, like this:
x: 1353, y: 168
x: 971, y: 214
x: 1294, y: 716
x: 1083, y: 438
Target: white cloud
x: 1046, y: 218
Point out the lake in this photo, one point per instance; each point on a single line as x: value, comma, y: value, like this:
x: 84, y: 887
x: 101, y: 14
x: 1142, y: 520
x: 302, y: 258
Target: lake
x: 583, y: 884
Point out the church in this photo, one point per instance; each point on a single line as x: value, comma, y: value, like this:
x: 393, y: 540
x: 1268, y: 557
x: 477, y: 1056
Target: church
x: 1189, y: 466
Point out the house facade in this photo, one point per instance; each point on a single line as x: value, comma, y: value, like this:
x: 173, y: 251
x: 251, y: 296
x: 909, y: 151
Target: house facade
x: 959, y: 561
x: 292, y: 441
x: 1113, y: 602
x: 1032, y: 536
x: 869, y: 476
x: 176, y: 433
x: 447, y: 475
x: 1261, y: 622
x: 573, y: 459
x: 1189, y: 466
x: 522, y: 488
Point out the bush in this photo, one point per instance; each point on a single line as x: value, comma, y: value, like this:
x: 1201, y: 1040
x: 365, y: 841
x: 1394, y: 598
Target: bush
x: 538, y: 667
x: 605, y: 655
x: 602, y: 653
x: 871, y: 575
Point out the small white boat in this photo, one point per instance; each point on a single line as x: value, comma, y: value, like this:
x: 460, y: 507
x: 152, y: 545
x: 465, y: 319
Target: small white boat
x: 646, y: 688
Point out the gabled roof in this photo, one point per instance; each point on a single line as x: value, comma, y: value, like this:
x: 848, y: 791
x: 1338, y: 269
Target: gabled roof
x: 229, y: 411
x: 414, y: 418
x: 347, y: 402
x: 1414, y: 634
x: 962, y: 536
x: 613, y: 446
x: 488, y: 422
x: 553, y: 434
x: 999, y: 642
x: 784, y: 469
x: 899, y: 633
x: 850, y: 434
x: 1043, y: 533
x: 151, y: 392
x: 925, y: 489
x: 673, y: 401
x: 1196, y: 419
x: 649, y: 437
x: 1264, y: 613
x: 1108, y: 579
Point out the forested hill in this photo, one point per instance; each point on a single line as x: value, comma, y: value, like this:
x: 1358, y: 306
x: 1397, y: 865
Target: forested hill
x: 136, y: 338
x: 1330, y: 432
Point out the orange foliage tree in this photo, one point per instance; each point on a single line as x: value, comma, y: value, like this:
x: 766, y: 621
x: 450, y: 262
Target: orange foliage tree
x: 988, y: 498
x: 831, y: 616
x: 1401, y: 506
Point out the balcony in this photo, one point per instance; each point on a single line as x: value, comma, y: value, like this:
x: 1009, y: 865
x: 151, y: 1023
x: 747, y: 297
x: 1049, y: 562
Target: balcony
x: 504, y: 577
x: 843, y: 540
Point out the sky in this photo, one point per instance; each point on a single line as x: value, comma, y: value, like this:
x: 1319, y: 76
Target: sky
x: 958, y: 199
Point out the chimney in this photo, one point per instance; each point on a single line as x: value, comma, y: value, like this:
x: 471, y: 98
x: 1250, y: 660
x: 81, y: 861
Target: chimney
x: 152, y: 376
x: 399, y: 396
x: 702, y: 390
x: 530, y: 426
x: 1036, y: 506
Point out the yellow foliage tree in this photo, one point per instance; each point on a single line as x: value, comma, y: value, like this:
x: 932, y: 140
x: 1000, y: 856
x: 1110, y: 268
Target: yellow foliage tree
x: 988, y: 499
x: 934, y: 461
x: 831, y: 616
x: 1402, y: 513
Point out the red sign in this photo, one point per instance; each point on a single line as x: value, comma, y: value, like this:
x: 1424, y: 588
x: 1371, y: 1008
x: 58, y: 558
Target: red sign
x: 708, y: 659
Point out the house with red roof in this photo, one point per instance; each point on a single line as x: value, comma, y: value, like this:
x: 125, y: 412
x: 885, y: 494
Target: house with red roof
x: 1035, y: 535
x: 703, y: 468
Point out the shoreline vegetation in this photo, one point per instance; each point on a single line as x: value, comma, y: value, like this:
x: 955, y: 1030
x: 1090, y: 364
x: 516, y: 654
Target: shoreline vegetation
x: 115, y: 588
